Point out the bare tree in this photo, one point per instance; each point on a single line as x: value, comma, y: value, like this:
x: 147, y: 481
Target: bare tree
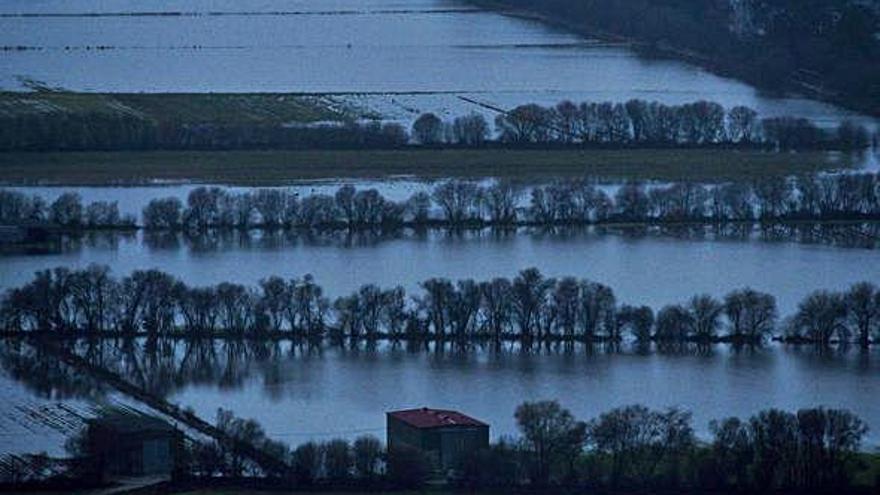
x: 597, y: 309
x: 93, y: 294
x: 428, y: 129
x: 369, y: 207
x: 458, y: 200
x: 637, y: 441
x: 464, y: 307
x: 819, y: 317
x: 274, y: 301
x: 163, y: 214
x: 67, y: 210
x: 525, y: 124
x: 743, y: 125
x: 552, y: 437
x: 638, y: 320
x: 16, y: 208
x: 863, y: 310
x: 367, y: 453
x: 751, y: 314
x: 631, y: 201
x: 470, y: 130
x: 270, y: 204
x: 338, y: 460
x: 529, y: 292
x: 439, y: 293
x: 102, y: 215
x: 236, y: 307
x: 497, y: 305
x: 674, y: 323
x: 500, y: 200
x: 705, y: 313
x: 203, y: 207
x: 345, y: 203
x: 419, y: 207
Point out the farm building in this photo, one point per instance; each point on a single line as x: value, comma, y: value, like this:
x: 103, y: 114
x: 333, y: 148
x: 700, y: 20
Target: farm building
x: 446, y: 437
x: 126, y: 442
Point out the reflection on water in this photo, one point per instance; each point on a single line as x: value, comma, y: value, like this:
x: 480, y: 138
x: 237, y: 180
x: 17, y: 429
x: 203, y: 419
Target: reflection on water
x: 299, y: 391
x: 653, y: 266
x: 862, y: 235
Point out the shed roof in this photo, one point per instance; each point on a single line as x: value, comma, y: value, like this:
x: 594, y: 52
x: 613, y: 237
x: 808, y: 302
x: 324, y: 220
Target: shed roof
x: 434, y: 418
x: 131, y: 421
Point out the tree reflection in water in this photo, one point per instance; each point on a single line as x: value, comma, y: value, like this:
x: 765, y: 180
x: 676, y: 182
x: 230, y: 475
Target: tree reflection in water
x: 162, y: 366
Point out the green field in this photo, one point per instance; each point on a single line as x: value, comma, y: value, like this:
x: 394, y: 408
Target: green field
x: 182, y: 108
x: 260, y: 168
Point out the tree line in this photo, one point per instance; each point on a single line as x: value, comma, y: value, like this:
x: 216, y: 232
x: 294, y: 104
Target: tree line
x: 637, y: 448
x: 530, y: 308
x: 639, y: 123
x: 471, y: 204
x: 621, y: 450
x: 635, y: 123
x: 110, y: 131
x: 66, y: 211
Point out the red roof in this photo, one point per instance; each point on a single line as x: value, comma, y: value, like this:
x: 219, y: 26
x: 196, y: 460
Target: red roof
x: 434, y: 418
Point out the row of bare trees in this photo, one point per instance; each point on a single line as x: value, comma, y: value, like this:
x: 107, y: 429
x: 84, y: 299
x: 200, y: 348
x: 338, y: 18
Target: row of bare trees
x: 67, y: 211
x: 635, y: 123
x: 528, y: 308
x: 624, y: 449
x: 638, y: 123
x: 337, y: 461
x: 634, y: 448
x: 466, y: 203
x: 576, y: 202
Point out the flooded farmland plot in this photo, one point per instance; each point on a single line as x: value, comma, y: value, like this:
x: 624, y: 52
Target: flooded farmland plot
x: 352, y: 53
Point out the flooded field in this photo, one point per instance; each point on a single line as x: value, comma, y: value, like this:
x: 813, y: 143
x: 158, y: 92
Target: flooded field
x: 642, y: 267
x: 393, y: 60
x: 300, y: 393
x: 351, y: 52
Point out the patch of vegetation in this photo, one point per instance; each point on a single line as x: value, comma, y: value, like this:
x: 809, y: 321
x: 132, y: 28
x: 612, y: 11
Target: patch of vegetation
x: 181, y: 108
x: 264, y: 168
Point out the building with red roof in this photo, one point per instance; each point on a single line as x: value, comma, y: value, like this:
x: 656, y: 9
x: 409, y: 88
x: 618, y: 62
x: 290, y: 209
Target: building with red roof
x: 445, y: 436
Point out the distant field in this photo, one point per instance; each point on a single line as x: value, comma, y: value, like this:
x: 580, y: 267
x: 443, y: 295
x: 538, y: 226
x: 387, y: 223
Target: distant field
x: 281, y: 167
x: 185, y: 108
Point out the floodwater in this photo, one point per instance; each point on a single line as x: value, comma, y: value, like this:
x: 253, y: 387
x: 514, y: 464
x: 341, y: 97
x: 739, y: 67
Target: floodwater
x: 650, y: 269
x: 345, y: 393
x: 401, y: 58
x: 299, y: 394
x: 394, y: 57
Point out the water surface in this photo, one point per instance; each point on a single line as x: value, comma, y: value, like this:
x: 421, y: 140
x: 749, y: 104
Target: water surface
x: 345, y: 393
x: 299, y: 393
x: 395, y: 57
x: 641, y: 268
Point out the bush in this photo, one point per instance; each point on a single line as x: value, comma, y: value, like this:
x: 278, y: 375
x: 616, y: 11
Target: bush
x: 408, y: 468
